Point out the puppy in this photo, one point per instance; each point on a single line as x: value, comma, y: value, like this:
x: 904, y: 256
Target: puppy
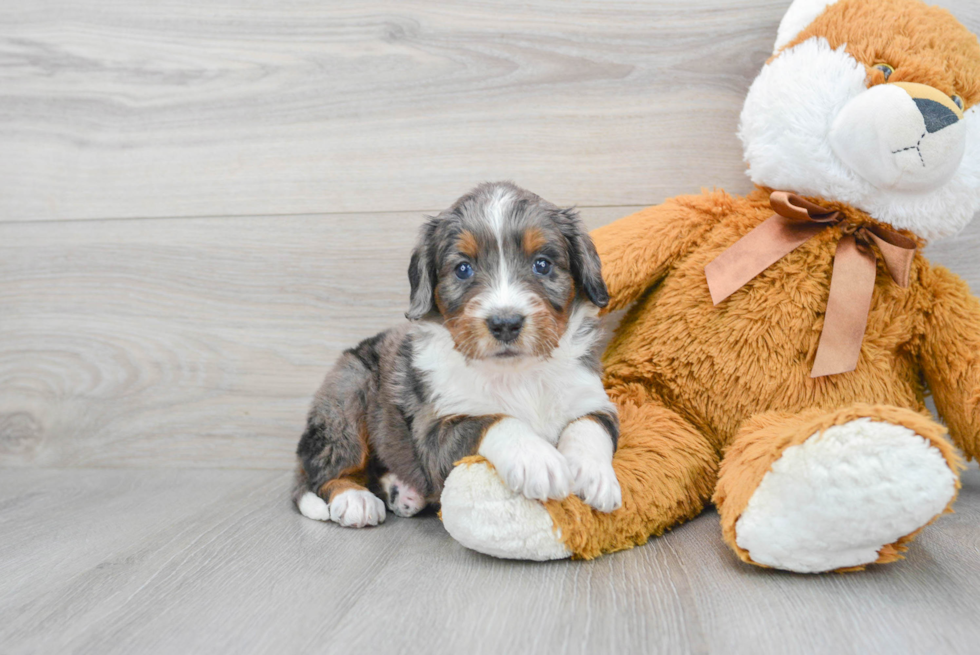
x: 500, y: 358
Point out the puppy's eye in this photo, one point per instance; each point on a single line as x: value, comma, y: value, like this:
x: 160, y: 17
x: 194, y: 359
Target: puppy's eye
x: 464, y: 270
x: 885, y: 69
x: 958, y: 101
x: 541, y: 266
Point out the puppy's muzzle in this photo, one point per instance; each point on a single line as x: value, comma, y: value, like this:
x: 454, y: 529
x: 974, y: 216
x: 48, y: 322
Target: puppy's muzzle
x: 505, y: 328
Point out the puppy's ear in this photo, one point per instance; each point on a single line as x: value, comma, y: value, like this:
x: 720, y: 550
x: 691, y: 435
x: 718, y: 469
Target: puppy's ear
x: 422, y: 273
x: 586, y: 267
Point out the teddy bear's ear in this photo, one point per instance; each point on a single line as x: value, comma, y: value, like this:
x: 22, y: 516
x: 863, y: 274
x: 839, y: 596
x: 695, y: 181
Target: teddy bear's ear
x: 796, y: 19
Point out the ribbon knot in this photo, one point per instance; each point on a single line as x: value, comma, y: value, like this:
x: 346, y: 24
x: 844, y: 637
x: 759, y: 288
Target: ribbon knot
x: 852, y: 283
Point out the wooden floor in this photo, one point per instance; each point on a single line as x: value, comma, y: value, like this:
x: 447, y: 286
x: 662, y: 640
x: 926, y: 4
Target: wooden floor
x: 125, y: 561
x: 201, y: 204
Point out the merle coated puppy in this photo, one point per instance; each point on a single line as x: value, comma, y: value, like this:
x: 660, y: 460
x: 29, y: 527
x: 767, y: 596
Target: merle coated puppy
x: 500, y: 358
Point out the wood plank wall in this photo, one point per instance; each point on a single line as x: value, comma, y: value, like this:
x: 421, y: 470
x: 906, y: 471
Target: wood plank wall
x: 201, y: 204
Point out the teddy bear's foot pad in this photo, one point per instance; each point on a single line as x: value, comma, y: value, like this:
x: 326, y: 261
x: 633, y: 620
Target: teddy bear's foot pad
x: 481, y: 513
x: 838, y: 498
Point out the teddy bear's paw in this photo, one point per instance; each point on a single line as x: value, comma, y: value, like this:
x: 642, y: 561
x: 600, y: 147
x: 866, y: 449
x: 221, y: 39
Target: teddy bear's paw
x: 840, y: 497
x: 480, y: 512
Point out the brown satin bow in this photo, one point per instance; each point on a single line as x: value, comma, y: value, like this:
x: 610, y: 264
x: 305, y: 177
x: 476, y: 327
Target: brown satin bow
x: 851, y: 285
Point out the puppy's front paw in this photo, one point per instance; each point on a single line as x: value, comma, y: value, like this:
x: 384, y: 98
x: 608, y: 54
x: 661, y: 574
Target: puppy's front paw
x: 588, y: 448
x: 595, y: 483
x: 525, y: 462
x: 538, y: 471
x: 357, y: 508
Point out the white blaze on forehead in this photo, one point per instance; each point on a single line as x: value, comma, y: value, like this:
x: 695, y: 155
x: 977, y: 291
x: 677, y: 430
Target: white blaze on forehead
x: 504, y: 292
x: 498, y: 210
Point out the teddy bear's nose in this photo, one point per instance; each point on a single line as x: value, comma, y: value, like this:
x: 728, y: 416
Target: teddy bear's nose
x: 936, y: 116
x: 938, y: 109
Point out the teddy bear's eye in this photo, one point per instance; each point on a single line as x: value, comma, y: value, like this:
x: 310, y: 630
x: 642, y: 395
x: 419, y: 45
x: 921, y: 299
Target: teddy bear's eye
x: 958, y: 101
x: 885, y: 69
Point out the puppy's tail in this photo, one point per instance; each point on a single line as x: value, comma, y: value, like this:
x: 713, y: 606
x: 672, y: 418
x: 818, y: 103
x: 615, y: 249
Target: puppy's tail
x: 313, y: 507
x: 308, y: 503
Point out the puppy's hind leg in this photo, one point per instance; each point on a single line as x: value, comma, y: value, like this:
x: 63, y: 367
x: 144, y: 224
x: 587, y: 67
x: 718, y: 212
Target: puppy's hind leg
x: 402, y: 499
x: 334, y: 453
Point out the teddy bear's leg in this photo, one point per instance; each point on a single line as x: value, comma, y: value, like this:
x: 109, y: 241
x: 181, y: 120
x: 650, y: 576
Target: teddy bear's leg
x: 823, y: 491
x: 665, y: 467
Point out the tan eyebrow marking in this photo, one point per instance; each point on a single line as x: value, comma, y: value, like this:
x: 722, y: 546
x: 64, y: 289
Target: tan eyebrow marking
x: 533, y: 240
x: 467, y: 244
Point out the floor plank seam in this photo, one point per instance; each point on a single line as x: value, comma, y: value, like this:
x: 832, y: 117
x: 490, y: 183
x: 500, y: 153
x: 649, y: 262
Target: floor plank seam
x: 367, y: 212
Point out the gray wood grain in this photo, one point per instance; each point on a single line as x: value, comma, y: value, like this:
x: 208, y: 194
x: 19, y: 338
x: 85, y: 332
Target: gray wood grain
x: 199, y: 342
x: 170, y: 108
x: 196, y: 342
x: 170, y: 348
x: 178, y: 561
x: 192, y: 342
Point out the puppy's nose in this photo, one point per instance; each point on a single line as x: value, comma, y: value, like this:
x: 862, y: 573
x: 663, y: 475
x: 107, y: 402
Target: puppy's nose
x: 505, y: 327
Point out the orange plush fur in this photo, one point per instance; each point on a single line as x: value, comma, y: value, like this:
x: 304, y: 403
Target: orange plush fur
x: 710, y: 396
x: 923, y: 44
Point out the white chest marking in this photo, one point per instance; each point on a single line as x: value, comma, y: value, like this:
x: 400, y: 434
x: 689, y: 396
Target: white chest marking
x: 544, y: 393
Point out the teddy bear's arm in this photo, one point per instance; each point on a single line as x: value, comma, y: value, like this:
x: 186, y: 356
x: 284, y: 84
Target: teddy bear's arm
x: 638, y: 250
x: 950, y: 356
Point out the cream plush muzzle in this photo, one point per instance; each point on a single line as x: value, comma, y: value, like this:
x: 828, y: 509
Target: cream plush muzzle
x: 906, y: 137
x: 811, y: 125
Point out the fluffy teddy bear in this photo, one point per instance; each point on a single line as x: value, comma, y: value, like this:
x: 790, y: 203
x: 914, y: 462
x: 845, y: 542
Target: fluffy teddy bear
x: 779, y: 346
